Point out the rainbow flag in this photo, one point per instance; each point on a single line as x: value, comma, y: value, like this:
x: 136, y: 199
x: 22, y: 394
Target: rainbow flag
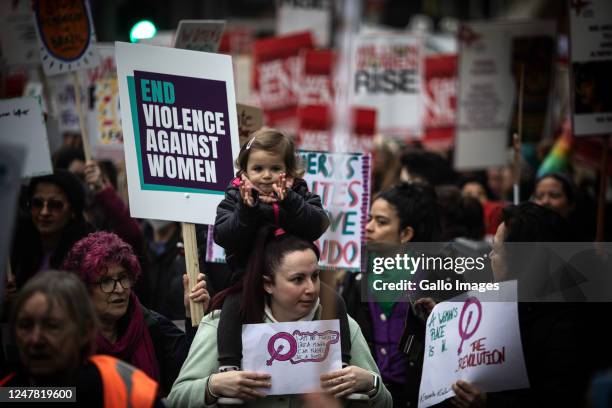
x: 559, y: 155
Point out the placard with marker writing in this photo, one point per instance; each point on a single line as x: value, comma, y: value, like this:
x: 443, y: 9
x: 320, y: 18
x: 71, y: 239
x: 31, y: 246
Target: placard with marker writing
x: 22, y: 124
x: 476, y: 338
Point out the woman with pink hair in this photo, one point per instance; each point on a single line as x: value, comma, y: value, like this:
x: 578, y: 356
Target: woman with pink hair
x: 128, y: 330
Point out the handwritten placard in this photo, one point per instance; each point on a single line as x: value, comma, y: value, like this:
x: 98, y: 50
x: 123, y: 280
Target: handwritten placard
x: 18, y: 33
x: 66, y: 35
x: 22, y: 124
x: 468, y: 338
x: 295, y: 354
x: 490, y: 61
x: 342, y: 180
x: 199, y: 35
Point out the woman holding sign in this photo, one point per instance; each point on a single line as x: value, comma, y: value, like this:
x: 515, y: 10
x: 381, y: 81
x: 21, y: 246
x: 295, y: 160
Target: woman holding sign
x: 404, y: 213
x: 129, y: 331
x: 281, y: 285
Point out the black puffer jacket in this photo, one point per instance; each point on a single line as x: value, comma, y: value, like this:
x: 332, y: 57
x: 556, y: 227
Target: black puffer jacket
x: 300, y: 213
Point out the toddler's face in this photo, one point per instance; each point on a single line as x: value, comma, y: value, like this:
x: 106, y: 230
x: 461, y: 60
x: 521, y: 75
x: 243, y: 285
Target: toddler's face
x: 264, y: 169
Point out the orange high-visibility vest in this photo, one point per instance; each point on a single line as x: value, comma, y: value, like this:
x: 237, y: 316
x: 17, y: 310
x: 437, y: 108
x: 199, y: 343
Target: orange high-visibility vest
x: 124, y: 385
x: 7, y: 379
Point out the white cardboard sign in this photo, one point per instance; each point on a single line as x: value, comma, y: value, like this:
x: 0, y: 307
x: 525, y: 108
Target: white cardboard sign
x: 295, y: 354
x: 486, y: 95
x: 22, y: 124
x: 295, y: 16
x: 180, y: 130
x: 199, y: 35
x: 18, y: 33
x: 386, y: 74
x: 468, y: 338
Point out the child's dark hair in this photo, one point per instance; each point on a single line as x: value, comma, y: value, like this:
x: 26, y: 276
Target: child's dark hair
x: 273, y: 141
x: 269, y: 251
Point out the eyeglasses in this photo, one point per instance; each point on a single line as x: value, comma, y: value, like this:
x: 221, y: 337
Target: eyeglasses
x: 52, y: 204
x: 108, y: 284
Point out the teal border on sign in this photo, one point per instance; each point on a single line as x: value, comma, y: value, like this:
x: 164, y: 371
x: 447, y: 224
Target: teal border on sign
x: 136, y: 125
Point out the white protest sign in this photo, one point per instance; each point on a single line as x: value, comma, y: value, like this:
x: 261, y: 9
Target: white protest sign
x: 179, y: 147
x: 489, y: 70
x: 295, y: 16
x: 591, y: 31
x: 65, y: 35
x: 199, y: 35
x: 22, y: 124
x: 342, y: 180
x: 18, y: 33
x: 295, y: 354
x: 468, y: 338
x: 386, y: 74
x: 61, y: 88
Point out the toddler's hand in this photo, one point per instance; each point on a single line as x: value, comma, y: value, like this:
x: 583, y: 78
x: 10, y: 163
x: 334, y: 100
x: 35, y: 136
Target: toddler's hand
x: 246, y: 191
x: 280, y: 189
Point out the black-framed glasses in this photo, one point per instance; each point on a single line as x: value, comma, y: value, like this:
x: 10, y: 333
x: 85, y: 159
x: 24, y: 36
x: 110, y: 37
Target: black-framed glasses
x: 108, y: 284
x: 37, y: 203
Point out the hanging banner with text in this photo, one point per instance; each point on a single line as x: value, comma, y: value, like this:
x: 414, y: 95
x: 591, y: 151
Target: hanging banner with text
x: 278, y: 67
x: 387, y: 76
x: 295, y: 354
x: 22, y: 124
x: 317, y: 86
x: 179, y: 146
x: 490, y: 61
x: 65, y: 35
x: 342, y: 180
x: 473, y: 339
x: 199, y: 35
x: 297, y: 15
x: 591, y: 49
x: 440, y: 99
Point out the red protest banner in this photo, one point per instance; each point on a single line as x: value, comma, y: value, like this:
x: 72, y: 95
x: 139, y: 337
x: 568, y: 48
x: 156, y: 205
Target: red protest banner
x: 440, y: 100
x: 278, y: 66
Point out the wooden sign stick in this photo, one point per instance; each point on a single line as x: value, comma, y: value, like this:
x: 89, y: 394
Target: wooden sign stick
x: 193, y: 268
x: 516, y: 141
x: 82, y: 124
x: 603, y: 186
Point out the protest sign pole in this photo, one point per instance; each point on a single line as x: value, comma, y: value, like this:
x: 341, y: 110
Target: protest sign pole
x: 193, y: 268
x: 603, y: 186
x: 82, y: 124
x: 9, y: 271
x: 516, y: 141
